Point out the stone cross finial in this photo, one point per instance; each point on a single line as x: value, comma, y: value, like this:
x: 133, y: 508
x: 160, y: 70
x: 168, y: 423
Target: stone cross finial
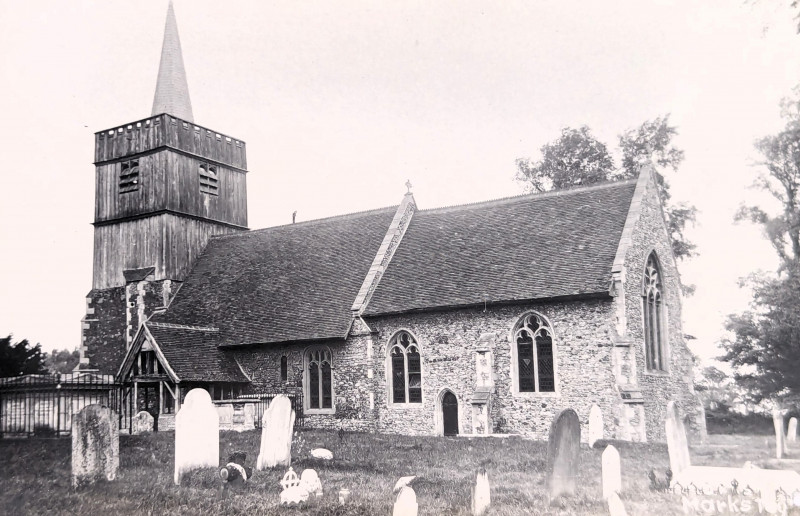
x: 408, y: 185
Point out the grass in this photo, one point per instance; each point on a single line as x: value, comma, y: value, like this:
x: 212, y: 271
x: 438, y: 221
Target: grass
x: 35, y: 478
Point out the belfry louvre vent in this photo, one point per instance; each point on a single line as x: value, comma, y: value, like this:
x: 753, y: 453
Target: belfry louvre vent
x: 129, y: 176
x: 209, y: 182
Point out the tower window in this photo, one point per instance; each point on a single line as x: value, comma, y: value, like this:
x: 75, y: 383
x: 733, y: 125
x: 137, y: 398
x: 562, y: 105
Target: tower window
x: 129, y: 176
x: 209, y: 182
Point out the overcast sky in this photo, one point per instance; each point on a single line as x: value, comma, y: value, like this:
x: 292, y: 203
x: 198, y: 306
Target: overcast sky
x: 341, y: 102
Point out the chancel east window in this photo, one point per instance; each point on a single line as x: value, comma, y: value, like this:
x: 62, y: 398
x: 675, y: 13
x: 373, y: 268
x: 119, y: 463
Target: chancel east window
x: 533, y: 342
x: 129, y: 176
x: 406, y: 369
x: 654, y: 317
x: 319, y: 384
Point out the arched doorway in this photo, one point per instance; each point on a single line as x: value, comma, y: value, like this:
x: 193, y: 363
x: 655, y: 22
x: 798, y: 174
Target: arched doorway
x: 449, y: 413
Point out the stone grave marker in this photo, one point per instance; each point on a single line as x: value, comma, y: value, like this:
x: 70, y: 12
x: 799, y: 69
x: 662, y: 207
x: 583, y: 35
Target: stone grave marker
x: 142, y: 423
x: 595, y: 425
x: 481, y: 494
x: 611, y: 474
x: 677, y: 445
x: 196, y: 434
x: 615, y: 506
x: 780, y: 437
x: 310, y: 482
x: 236, y: 471
x: 322, y: 453
x: 95, y: 445
x: 791, y: 433
x: 406, y: 502
x: 563, y: 447
x: 276, y: 434
x: 702, y: 428
x: 294, y: 493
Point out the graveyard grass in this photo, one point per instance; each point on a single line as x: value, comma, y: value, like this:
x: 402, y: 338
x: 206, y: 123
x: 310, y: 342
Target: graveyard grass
x: 35, y: 477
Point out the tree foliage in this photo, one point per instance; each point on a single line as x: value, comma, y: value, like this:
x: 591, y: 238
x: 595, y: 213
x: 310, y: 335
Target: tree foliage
x: 20, y: 358
x: 578, y: 158
x: 62, y: 361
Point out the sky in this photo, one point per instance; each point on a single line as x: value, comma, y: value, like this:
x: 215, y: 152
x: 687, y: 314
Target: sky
x: 341, y: 102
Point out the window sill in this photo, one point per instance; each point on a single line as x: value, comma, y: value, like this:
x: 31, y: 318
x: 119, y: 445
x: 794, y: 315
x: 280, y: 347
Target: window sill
x: 319, y: 412
x: 405, y: 406
x: 527, y: 394
x: 655, y: 372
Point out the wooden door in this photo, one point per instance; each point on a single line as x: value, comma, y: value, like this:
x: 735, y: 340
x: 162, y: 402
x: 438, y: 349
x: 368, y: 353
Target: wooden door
x: 450, y: 413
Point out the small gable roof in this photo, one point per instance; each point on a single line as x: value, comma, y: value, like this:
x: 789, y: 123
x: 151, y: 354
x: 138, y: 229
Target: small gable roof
x: 539, y: 246
x: 282, y: 284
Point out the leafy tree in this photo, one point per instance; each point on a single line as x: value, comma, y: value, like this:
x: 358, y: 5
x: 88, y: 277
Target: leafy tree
x: 575, y: 158
x: 62, y: 361
x: 578, y: 158
x: 20, y: 358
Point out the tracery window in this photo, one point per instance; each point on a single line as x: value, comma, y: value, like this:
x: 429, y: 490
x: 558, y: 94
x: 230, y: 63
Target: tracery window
x: 319, y: 379
x: 654, y: 317
x: 406, y: 369
x: 533, y: 341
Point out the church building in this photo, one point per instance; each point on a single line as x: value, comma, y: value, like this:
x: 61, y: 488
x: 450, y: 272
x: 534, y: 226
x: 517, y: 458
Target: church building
x: 474, y: 319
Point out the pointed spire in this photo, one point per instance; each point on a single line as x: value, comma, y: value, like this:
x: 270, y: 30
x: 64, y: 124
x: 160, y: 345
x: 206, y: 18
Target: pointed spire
x: 172, y: 89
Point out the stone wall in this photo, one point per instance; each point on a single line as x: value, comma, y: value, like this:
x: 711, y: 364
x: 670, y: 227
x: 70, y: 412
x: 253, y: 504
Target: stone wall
x: 676, y: 383
x: 103, y: 330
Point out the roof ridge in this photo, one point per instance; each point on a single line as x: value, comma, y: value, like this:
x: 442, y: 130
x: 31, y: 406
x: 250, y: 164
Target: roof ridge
x: 537, y: 195
x: 181, y: 326
x: 311, y: 222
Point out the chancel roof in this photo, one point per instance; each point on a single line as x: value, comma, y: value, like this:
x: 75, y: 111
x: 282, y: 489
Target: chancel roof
x: 288, y: 283
x: 529, y: 247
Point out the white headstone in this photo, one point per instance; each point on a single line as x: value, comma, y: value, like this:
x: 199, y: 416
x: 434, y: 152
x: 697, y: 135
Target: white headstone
x: 791, y: 433
x: 611, y: 475
x: 196, y: 434
x: 702, y: 428
x: 677, y: 445
x: 142, y: 423
x: 310, y: 481
x: 322, y: 453
x: 406, y: 502
x: 276, y: 434
x: 95, y: 445
x: 481, y: 494
x: 780, y: 437
x: 595, y: 425
x: 615, y: 506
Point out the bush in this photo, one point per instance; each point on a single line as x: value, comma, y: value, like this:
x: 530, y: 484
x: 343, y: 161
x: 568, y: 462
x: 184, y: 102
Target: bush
x: 723, y: 421
x: 42, y: 430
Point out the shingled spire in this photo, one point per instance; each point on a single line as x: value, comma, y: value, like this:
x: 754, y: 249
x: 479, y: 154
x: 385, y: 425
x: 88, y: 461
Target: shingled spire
x: 172, y: 90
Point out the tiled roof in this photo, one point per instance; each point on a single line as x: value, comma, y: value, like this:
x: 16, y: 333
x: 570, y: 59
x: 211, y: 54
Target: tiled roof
x: 193, y: 354
x: 288, y: 283
x: 522, y: 248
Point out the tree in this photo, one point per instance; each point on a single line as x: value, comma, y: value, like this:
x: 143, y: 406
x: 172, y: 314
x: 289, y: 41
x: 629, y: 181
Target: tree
x: 20, y: 358
x: 62, y: 361
x: 575, y: 158
x: 578, y: 158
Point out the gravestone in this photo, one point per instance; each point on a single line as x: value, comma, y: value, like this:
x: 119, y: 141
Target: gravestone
x: 615, y: 506
x: 196, y: 434
x: 406, y: 502
x: 276, y: 434
x: 481, y: 494
x: 563, y: 446
x: 294, y: 493
x: 611, y: 474
x: 236, y: 471
x: 95, y: 445
x: 780, y: 437
x: 595, y: 425
x: 677, y: 445
x: 310, y: 482
x: 702, y: 428
x: 791, y: 434
x: 322, y: 453
x: 142, y: 423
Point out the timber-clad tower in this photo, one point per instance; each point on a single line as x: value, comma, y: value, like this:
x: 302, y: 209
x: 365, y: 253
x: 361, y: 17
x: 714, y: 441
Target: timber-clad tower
x: 163, y: 187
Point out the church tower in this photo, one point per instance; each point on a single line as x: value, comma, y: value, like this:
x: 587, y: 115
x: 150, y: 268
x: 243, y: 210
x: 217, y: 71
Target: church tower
x: 163, y: 186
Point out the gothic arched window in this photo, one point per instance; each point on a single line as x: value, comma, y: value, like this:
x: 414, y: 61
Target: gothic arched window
x: 405, y: 365
x: 654, y: 318
x: 319, y: 379
x: 533, y: 348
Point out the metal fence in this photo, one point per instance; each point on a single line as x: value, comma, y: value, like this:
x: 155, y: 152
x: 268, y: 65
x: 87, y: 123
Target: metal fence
x: 42, y: 405
x: 265, y: 399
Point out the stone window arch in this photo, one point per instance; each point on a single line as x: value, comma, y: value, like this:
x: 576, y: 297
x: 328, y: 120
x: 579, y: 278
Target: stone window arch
x: 655, y: 317
x: 318, y: 380
x: 404, y: 364
x: 533, y: 355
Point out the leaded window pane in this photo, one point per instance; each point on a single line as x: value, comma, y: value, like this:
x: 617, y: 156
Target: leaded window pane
x: 327, y: 388
x: 313, y: 385
x: 398, y: 378
x: 544, y: 356
x: 525, y: 362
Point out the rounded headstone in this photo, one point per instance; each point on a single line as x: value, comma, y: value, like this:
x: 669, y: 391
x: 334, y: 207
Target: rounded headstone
x: 595, y: 425
x: 563, y: 447
x: 196, y: 434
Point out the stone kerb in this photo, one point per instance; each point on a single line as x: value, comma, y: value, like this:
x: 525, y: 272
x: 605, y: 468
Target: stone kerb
x: 196, y: 434
x: 563, y: 447
x: 276, y: 434
x: 677, y: 444
x: 95, y: 445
